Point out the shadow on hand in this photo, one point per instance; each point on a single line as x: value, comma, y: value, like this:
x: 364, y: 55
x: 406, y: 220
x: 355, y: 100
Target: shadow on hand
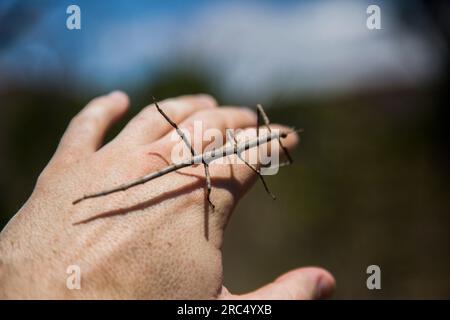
x: 229, y: 183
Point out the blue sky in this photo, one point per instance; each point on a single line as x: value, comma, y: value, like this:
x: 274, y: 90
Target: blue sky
x: 249, y: 48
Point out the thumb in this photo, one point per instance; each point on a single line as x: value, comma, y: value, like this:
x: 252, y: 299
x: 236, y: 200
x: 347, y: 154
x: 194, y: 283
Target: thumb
x: 299, y: 284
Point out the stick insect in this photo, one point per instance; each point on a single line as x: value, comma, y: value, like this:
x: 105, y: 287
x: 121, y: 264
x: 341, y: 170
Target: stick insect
x: 207, y: 157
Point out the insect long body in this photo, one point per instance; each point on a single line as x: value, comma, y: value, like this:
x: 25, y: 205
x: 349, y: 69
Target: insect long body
x: 205, y: 158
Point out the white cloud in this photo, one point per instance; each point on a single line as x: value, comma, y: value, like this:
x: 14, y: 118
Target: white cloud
x: 319, y: 46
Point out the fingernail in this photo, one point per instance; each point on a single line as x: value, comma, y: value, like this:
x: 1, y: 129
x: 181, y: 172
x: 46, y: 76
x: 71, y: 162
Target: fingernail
x: 324, y: 289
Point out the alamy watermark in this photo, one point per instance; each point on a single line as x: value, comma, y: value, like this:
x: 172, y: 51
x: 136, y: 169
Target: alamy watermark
x: 73, y: 21
x: 73, y: 281
x: 374, y: 280
x: 266, y: 156
x: 373, y: 21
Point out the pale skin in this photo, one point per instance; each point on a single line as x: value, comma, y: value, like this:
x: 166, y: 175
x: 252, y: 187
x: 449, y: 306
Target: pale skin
x: 158, y: 240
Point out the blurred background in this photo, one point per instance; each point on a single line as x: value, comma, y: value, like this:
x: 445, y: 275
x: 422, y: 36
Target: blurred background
x: 371, y: 179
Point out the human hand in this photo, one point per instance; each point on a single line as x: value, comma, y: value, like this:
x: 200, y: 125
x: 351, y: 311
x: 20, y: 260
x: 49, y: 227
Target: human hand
x: 156, y: 240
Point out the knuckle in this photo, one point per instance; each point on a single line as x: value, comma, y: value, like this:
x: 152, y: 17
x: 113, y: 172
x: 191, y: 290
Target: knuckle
x: 102, y: 100
x: 95, y: 101
x: 47, y: 175
x: 145, y: 115
x: 199, y: 100
x: 87, y: 119
x: 171, y: 104
x: 206, y: 100
x: 42, y: 179
x: 206, y: 116
x: 244, y: 115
